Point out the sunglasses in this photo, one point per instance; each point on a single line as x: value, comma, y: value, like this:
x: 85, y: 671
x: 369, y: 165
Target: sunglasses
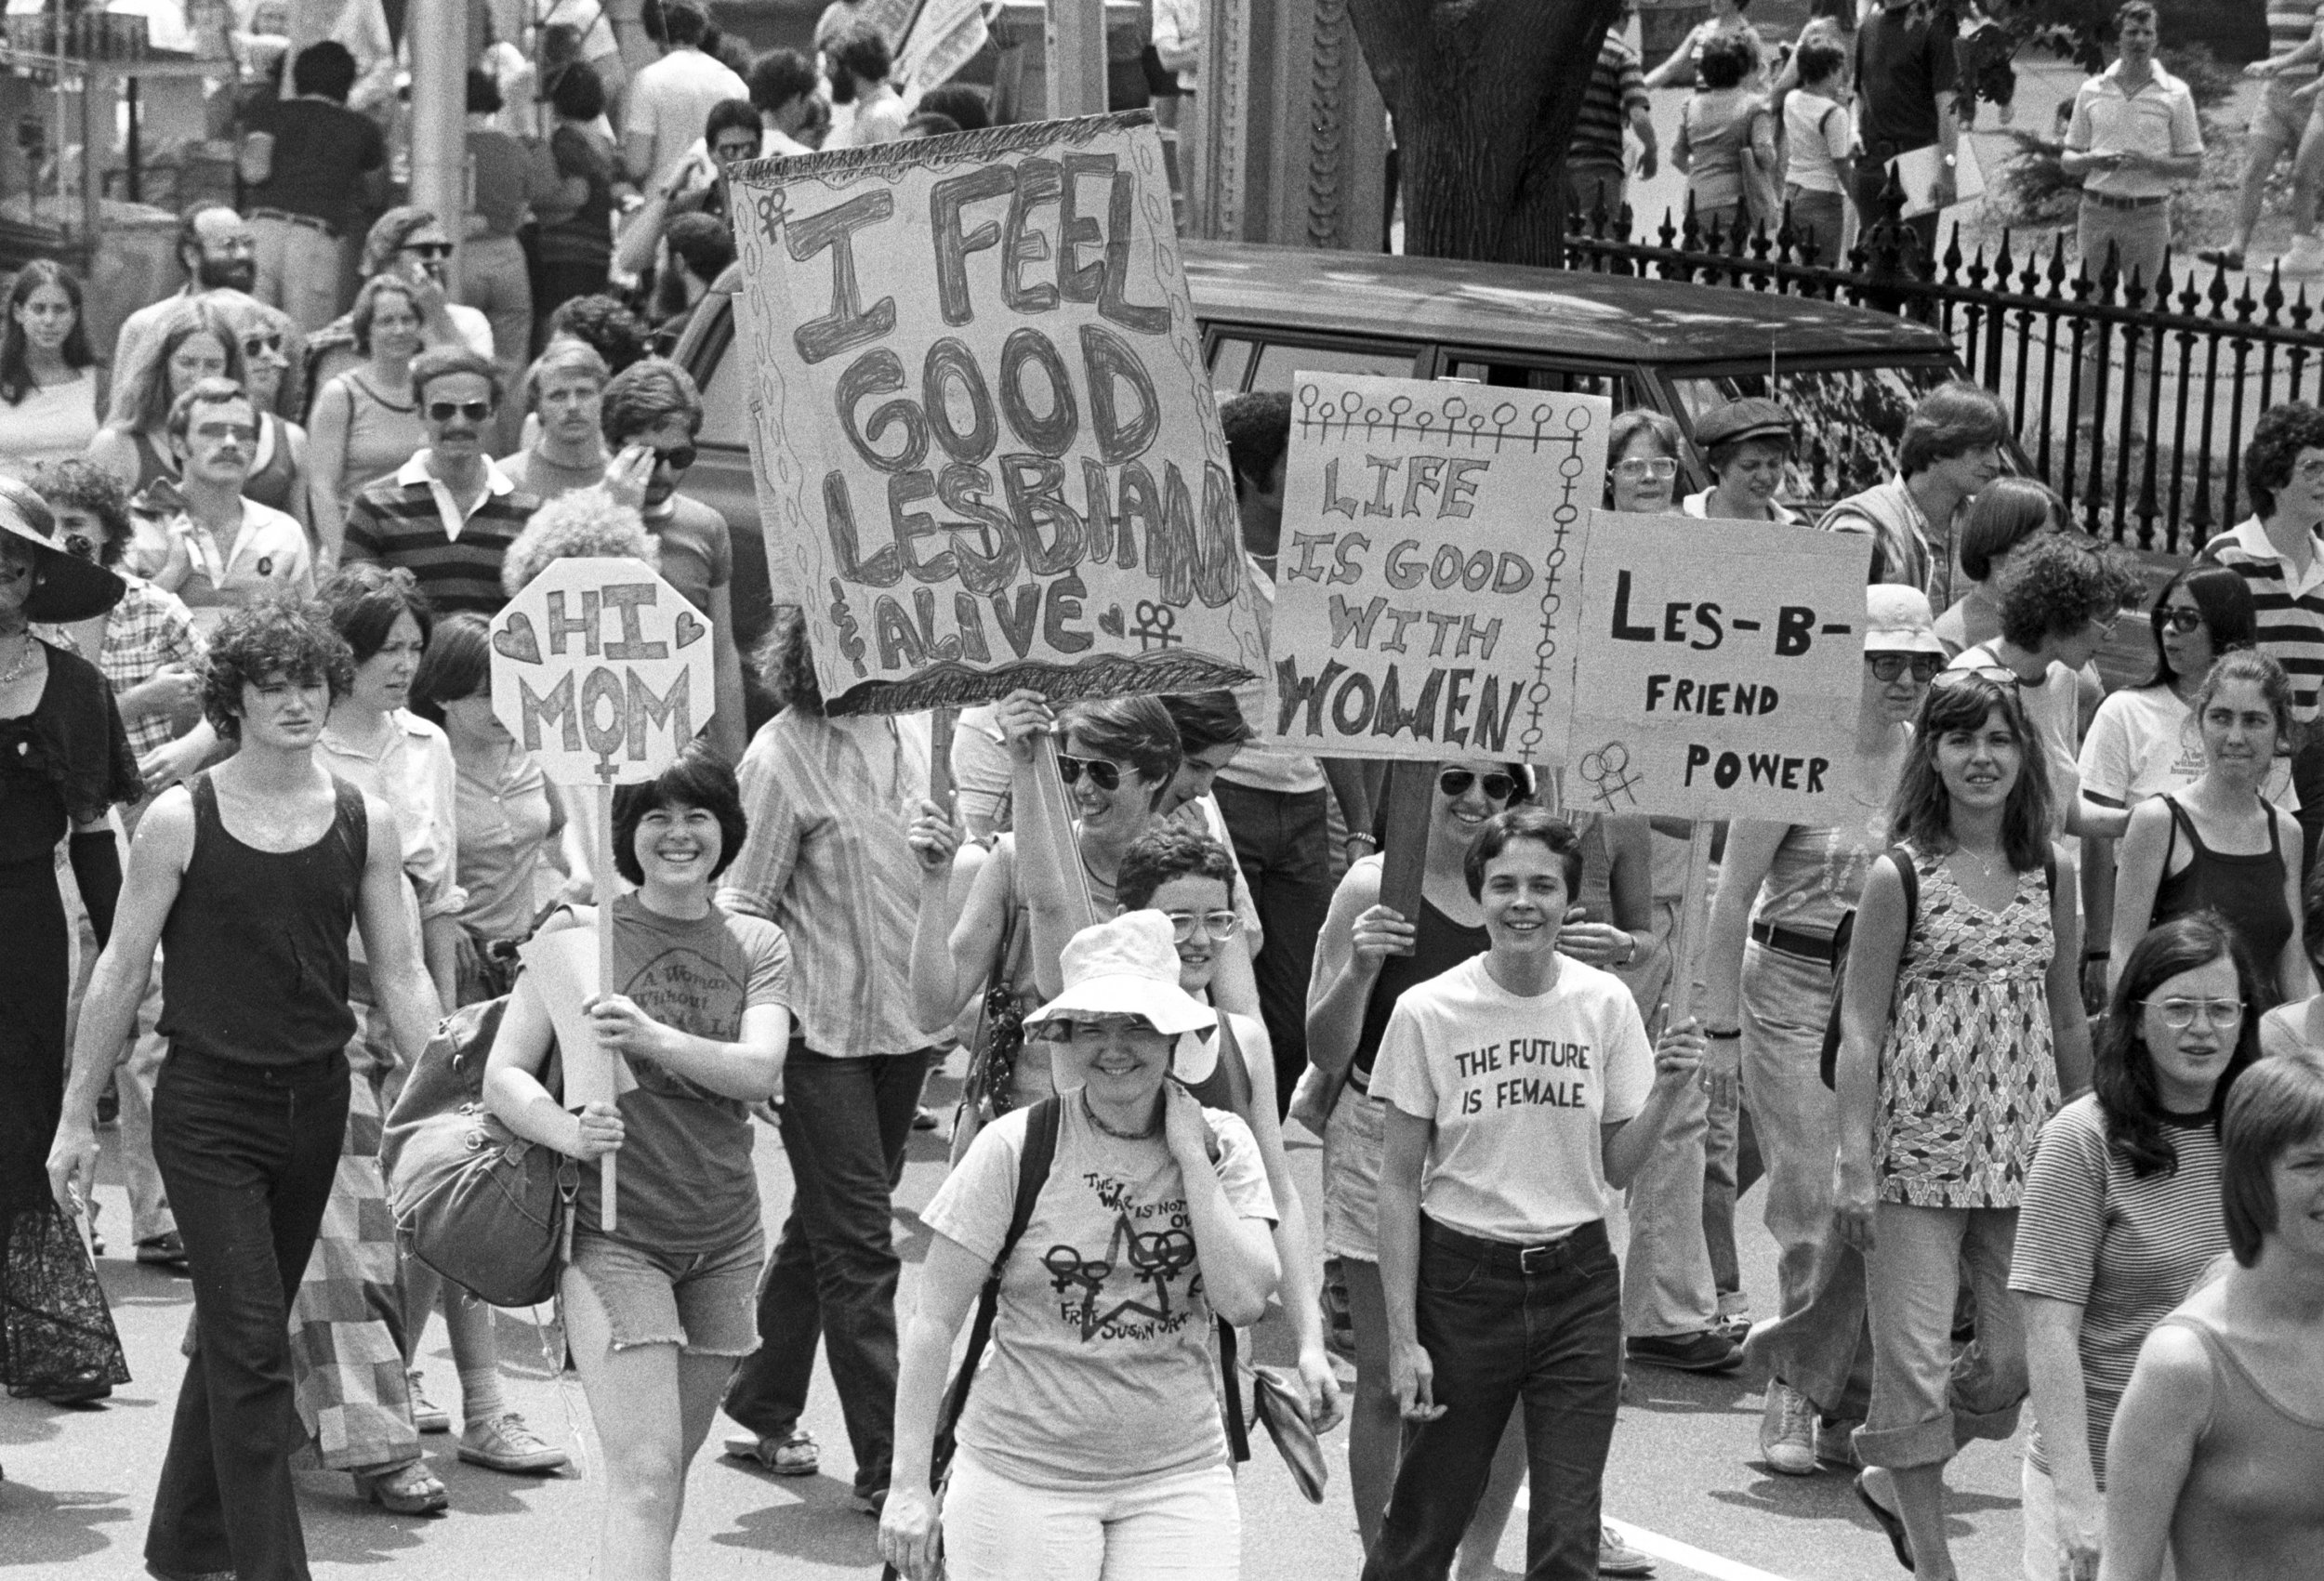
x: 677, y: 458
x: 1455, y: 782
x: 246, y: 432
x: 430, y: 249
x: 445, y: 411
x: 254, y: 344
x: 1991, y: 675
x: 1660, y: 468
x: 1105, y: 776
x: 1888, y: 666
x: 2179, y: 1014
x: 2180, y: 623
x: 1219, y: 925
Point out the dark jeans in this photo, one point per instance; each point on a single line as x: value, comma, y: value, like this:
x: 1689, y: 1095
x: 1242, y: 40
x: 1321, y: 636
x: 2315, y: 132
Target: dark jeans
x: 2307, y: 778
x: 1283, y: 843
x: 834, y: 1272
x: 247, y: 1154
x: 1499, y: 1334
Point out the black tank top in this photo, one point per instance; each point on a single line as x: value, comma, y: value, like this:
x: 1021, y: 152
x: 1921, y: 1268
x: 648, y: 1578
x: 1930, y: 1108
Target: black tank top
x: 1442, y: 945
x: 254, y: 955
x: 2247, y: 891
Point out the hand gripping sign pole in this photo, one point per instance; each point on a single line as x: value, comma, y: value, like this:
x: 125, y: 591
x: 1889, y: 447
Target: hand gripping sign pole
x: 601, y: 671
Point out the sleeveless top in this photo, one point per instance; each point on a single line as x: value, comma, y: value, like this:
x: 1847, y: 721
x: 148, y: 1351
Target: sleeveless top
x: 154, y: 465
x: 2253, y: 1504
x: 272, y: 483
x: 2247, y: 891
x: 53, y: 422
x: 381, y: 435
x: 1441, y: 945
x: 254, y: 962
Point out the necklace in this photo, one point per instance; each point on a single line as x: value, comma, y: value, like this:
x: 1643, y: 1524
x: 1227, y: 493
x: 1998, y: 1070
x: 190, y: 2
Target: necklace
x: 1153, y: 1130
x: 24, y: 661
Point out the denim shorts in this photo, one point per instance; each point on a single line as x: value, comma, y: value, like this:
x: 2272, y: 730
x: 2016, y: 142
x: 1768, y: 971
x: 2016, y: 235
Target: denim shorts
x: 705, y: 1303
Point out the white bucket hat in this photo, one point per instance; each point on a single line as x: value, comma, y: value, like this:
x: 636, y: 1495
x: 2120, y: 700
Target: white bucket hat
x: 1126, y: 967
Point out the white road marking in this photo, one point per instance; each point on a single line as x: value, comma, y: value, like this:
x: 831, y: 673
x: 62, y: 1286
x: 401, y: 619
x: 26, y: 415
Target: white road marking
x: 1655, y: 1545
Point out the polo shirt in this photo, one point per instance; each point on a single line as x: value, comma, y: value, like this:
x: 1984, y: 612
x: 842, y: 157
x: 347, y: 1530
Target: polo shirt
x: 2157, y: 119
x: 411, y: 519
x: 268, y: 557
x: 1902, y: 61
x: 2291, y: 608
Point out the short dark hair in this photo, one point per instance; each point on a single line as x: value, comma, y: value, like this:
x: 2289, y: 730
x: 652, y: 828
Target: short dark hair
x: 259, y: 642
x: 700, y: 778
x: 2230, y: 616
x: 968, y: 105
x: 1135, y: 731
x: 862, y: 52
x: 483, y: 94
x: 684, y: 21
x: 1511, y: 824
x: 443, y: 361
x: 2283, y: 431
x: 732, y: 115
x: 931, y: 124
x: 1168, y: 852
x: 1257, y: 427
x: 2056, y: 584
x: 326, y: 68
x: 785, y: 663
x: 779, y: 76
x: 620, y: 336
x: 1921, y: 809
x: 2277, y: 1105
x: 457, y: 662
x: 2006, y: 513
x: 2122, y: 1070
x: 577, y: 93
x: 1723, y: 454
x: 206, y: 392
x: 1725, y: 59
x: 702, y: 242
x: 364, y: 601
x: 645, y: 395
x: 1205, y: 720
x: 367, y: 306
x: 1953, y: 419
x: 1818, y: 59
x: 75, y: 484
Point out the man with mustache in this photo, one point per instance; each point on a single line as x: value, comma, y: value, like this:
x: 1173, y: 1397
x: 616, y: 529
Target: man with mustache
x: 221, y: 259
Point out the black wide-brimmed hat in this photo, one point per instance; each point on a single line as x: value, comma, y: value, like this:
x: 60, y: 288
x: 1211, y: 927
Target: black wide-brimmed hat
x: 65, y: 586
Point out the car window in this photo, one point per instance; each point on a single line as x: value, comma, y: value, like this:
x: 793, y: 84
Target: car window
x: 726, y: 397
x: 1849, y: 421
x: 1241, y: 361
x: 1617, y: 385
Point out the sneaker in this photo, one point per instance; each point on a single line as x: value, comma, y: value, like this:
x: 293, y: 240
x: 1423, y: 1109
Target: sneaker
x: 872, y: 1502
x: 1836, y: 1445
x: 793, y: 1455
x: 1703, y: 1352
x: 1734, y: 1327
x: 505, y: 1443
x: 1618, y: 1558
x: 925, y: 1119
x: 2223, y: 257
x: 1787, y: 1431
x: 427, y: 1415
x: 2305, y: 256
x: 166, y: 1250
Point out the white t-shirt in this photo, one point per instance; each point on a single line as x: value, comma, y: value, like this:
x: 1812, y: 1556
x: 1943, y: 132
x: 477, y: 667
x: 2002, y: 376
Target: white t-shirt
x: 1815, y: 130
x: 1516, y: 1085
x: 670, y: 101
x: 2144, y: 742
x: 2054, y: 710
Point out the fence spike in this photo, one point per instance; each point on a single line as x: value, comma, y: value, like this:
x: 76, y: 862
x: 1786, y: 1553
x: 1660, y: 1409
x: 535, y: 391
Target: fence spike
x: 2001, y: 263
x: 2273, y: 298
x: 1953, y: 255
x: 2057, y: 266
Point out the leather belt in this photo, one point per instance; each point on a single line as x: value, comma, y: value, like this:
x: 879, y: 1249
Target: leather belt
x: 2106, y: 200
x: 1792, y: 941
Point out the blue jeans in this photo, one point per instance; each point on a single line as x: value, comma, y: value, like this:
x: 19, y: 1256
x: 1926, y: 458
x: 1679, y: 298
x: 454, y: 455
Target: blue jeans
x: 247, y: 1153
x: 1927, y: 1401
x: 1283, y: 841
x: 834, y: 1273
x: 1505, y: 1327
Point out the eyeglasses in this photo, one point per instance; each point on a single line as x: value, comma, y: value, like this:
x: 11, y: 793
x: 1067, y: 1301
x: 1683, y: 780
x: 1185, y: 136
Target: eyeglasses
x: 1992, y: 675
x: 445, y: 411
x: 254, y: 344
x: 1659, y: 468
x: 677, y: 458
x: 429, y: 249
x: 1456, y: 781
x: 1219, y: 925
x: 1105, y: 776
x: 1888, y: 666
x: 2179, y: 1014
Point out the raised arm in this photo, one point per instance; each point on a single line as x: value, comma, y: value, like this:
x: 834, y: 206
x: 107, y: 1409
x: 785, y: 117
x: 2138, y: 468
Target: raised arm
x: 1358, y: 935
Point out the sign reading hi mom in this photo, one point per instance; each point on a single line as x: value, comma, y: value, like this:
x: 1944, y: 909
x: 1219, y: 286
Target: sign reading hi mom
x: 602, y: 670
x: 1431, y: 534
x: 987, y: 450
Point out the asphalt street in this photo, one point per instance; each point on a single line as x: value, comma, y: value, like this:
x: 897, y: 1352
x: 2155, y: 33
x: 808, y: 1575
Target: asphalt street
x: 79, y: 1485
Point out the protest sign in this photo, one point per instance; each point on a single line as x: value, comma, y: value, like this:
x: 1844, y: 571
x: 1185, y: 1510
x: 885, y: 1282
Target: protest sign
x: 987, y: 450
x: 1717, y: 669
x: 1431, y: 533
x: 601, y: 671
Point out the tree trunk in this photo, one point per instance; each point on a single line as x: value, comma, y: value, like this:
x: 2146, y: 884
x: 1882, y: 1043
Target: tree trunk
x: 1485, y: 95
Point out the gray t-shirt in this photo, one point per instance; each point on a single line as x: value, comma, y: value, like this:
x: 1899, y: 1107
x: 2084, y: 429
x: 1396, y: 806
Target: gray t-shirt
x: 1100, y: 1366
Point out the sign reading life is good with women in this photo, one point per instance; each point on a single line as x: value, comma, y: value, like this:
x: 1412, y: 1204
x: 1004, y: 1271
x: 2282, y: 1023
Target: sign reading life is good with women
x: 1425, y: 578
x: 987, y: 452
x: 1717, y: 670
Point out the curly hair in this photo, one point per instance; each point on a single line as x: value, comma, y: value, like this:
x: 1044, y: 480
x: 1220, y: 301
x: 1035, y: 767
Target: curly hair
x: 1725, y: 59
x: 75, y: 484
x: 620, y: 336
x: 272, y: 639
x: 573, y: 526
x: 2056, y: 584
x: 785, y: 665
x: 1164, y: 852
x: 1921, y: 809
x: 1257, y: 427
x: 16, y: 374
x: 2282, y: 432
x: 364, y: 600
x: 2123, y: 1068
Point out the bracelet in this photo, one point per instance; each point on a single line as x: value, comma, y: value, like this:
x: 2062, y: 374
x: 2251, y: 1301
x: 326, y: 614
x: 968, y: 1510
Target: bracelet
x: 1724, y: 1037
x: 1356, y: 834
x: 1630, y: 957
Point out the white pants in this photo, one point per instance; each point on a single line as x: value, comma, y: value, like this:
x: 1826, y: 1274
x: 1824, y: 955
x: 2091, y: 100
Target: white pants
x: 2040, y: 1496
x: 1182, y: 1526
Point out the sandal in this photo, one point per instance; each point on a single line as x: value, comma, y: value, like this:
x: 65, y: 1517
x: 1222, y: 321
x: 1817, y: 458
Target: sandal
x: 408, y: 1489
x: 1891, y: 1523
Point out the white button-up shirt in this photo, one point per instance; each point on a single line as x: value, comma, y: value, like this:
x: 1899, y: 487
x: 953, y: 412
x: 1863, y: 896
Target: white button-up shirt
x: 2157, y: 118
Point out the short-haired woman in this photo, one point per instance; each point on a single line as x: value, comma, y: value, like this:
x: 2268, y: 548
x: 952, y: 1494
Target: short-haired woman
x: 1726, y: 141
x: 1747, y: 443
x: 1642, y: 470
x: 1090, y: 1445
x: 658, y: 1311
x: 366, y: 420
x: 1519, y: 1087
x: 2121, y: 1215
x: 48, y: 376
x: 2006, y: 513
x: 2216, y: 1460
x: 2219, y: 845
x: 1962, y: 1023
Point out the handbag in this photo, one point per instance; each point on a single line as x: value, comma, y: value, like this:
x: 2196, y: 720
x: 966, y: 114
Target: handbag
x: 1276, y: 1401
x: 484, y: 1208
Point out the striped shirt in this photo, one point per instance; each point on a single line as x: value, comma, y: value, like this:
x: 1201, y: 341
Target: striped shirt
x: 825, y: 859
x: 1615, y: 89
x: 411, y: 519
x: 2289, y: 24
x: 2126, y: 1250
x: 2290, y: 611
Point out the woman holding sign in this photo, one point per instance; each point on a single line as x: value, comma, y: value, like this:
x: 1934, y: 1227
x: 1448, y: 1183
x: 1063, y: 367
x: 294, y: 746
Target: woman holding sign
x: 1962, y: 1024
x: 658, y: 1312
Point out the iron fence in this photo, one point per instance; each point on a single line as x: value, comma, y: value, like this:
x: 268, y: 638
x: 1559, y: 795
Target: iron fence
x: 2133, y: 405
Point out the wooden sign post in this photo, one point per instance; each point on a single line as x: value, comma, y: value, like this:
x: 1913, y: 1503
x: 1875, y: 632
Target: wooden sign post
x: 602, y: 672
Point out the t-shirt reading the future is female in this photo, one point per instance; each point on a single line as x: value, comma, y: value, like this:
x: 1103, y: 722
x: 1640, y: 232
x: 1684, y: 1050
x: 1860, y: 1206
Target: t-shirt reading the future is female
x: 1100, y: 1366
x: 1517, y: 1086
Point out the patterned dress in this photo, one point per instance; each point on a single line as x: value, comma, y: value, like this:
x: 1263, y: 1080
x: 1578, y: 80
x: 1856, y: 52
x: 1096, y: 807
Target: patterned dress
x: 1969, y: 1074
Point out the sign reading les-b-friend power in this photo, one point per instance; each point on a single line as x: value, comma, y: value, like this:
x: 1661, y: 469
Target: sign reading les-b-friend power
x: 987, y: 450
